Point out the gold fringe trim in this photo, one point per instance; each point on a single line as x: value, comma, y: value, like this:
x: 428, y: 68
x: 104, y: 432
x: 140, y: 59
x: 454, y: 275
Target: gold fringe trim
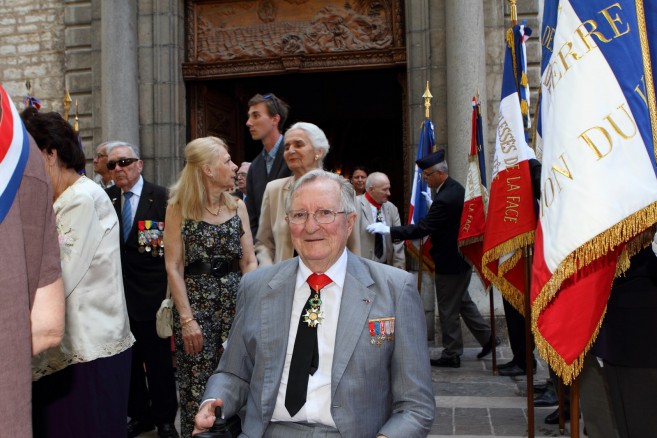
x: 469, y: 241
x: 524, y: 107
x: 567, y: 372
x: 637, y: 230
x: 512, y: 294
x: 523, y: 79
x: 511, y: 43
x: 647, y: 71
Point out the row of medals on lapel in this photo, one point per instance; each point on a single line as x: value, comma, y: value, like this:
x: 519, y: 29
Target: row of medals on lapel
x: 149, y: 237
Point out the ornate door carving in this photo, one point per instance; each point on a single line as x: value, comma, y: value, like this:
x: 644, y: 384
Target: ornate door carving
x: 227, y: 38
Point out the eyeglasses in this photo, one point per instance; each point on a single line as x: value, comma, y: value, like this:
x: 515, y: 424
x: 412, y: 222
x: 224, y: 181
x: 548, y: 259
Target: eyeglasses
x: 123, y: 162
x: 299, y: 217
x: 427, y: 175
x: 273, y: 101
x: 241, y: 174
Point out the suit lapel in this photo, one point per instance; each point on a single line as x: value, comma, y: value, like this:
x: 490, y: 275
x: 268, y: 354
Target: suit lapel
x: 144, y: 206
x: 367, y: 211
x: 276, y: 308
x: 355, y: 308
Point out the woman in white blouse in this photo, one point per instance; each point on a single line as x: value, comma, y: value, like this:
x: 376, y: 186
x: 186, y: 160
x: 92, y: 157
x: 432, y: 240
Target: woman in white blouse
x: 81, y: 386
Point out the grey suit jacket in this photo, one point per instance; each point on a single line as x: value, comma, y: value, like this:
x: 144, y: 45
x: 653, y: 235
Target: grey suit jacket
x: 393, y: 253
x: 374, y: 389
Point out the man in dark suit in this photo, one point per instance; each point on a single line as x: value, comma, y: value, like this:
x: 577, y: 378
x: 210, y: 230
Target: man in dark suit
x: 626, y: 345
x: 267, y: 116
x: 141, y: 208
x: 453, y: 273
x: 355, y: 364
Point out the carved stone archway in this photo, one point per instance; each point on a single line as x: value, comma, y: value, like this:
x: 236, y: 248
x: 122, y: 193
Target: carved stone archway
x: 340, y: 64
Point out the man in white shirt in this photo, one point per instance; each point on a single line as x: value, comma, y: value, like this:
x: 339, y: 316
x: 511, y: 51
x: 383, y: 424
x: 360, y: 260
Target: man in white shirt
x: 346, y: 356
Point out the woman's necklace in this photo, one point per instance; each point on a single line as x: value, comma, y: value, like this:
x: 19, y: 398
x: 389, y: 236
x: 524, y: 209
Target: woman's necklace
x: 215, y: 214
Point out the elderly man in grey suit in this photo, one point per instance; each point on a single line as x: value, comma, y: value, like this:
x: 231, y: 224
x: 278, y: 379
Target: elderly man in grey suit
x: 373, y: 206
x: 345, y: 357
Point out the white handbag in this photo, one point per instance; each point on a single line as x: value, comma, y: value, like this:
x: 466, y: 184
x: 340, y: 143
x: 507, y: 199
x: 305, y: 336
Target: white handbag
x: 164, y: 317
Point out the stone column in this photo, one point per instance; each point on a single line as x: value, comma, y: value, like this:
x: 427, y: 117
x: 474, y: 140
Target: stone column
x: 119, y: 82
x: 466, y: 73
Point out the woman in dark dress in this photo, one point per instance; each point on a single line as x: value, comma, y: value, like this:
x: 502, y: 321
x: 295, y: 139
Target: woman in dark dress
x: 208, y: 249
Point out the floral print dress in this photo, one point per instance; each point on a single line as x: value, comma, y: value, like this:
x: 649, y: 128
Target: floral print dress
x: 212, y: 300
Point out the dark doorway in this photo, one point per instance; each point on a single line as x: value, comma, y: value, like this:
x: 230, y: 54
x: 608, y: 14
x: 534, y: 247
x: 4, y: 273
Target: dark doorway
x: 361, y: 112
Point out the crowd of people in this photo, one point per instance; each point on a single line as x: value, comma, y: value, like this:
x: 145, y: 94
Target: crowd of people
x: 291, y: 296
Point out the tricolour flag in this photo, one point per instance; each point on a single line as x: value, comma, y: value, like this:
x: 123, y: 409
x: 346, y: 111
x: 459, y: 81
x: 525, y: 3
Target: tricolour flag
x: 598, y: 203
x: 473, y: 218
x: 14, y: 150
x: 418, y: 208
x: 511, y: 218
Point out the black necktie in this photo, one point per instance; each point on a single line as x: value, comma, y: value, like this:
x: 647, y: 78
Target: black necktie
x: 378, y: 237
x: 305, y: 355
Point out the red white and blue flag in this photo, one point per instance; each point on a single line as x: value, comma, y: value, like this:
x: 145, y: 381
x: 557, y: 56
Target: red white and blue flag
x: 418, y: 209
x: 14, y: 151
x: 511, y: 219
x: 599, y: 178
x: 473, y: 218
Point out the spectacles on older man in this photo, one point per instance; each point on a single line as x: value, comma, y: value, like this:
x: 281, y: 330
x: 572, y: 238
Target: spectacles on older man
x: 324, y: 216
x: 427, y: 175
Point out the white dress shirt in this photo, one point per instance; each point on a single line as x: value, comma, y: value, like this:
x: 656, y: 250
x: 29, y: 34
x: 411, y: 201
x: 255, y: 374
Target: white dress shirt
x: 134, y: 200
x: 318, y: 401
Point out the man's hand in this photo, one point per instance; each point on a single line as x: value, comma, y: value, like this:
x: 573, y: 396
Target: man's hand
x: 428, y: 198
x: 378, y: 227
x: 205, y: 417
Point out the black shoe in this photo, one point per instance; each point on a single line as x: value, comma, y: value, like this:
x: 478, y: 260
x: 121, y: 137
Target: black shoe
x: 506, y: 365
x: 548, y: 398
x: 167, y: 430
x: 553, y: 418
x: 450, y: 362
x: 135, y: 427
x: 486, y: 349
x: 540, y: 388
x: 512, y: 371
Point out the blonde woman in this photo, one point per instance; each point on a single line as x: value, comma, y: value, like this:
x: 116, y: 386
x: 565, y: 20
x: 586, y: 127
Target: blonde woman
x: 208, y: 249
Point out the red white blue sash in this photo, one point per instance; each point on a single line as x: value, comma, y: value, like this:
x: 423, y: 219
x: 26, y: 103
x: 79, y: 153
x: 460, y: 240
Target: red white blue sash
x: 14, y: 150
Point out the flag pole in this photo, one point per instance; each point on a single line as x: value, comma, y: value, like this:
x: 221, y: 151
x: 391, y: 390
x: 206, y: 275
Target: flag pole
x: 529, y: 362
x: 574, y: 408
x: 561, y: 394
x: 427, y: 105
x: 491, y: 301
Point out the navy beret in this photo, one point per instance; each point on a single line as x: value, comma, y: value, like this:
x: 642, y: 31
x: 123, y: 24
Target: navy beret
x: 431, y: 160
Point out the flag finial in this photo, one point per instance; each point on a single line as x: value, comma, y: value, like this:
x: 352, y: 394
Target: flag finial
x: 427, y: 100
x: 76, y: 125
x: 67, y: 104
x: 514, y: 12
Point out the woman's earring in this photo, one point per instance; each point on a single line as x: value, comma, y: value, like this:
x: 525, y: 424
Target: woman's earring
x: 316, y: 157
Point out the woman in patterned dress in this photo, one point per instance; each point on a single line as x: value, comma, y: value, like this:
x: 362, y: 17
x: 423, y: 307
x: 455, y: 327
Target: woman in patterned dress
x: 207, y: 250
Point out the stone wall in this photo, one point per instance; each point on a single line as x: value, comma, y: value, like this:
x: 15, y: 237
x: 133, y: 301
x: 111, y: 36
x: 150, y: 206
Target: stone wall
x: 32, y: 47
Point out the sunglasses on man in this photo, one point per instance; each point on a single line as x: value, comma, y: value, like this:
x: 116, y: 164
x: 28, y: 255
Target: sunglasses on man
x: 123, y: 162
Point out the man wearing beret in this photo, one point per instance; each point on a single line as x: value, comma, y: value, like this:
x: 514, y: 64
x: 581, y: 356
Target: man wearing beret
x: 452, y: 271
